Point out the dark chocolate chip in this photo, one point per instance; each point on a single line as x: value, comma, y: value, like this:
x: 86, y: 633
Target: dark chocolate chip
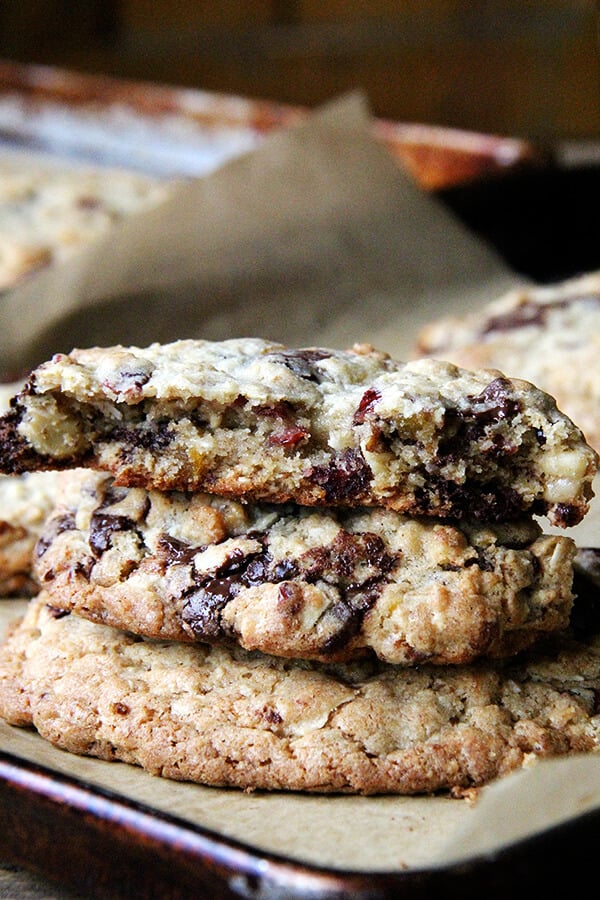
x: 263, y: 568
x: 494, y: 402
x: 147, y: 435
x: 103, y: 526
x: 478, y: 501
x: 56, y: 612
x: 469, y: 425
x: 303, y: 363
x: 272, y: 716
x: 175, y: 552
x: 566, y: 515
x: 349, y: 621
x: 17, y: 455
x: 202, y: 608
x: 84, y: 567
x: 345, y: 479
x: 55, y: 526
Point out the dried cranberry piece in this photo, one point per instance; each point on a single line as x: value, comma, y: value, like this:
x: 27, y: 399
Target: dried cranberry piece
x: 366, y: 405
x: 289, y: 437
x: 149, y: 436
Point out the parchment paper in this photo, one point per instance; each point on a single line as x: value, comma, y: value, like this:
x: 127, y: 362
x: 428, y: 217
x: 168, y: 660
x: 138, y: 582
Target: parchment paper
x: 315, y: 238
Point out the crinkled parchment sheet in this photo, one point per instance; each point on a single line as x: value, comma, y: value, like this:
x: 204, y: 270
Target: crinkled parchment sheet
x: 315, y: 238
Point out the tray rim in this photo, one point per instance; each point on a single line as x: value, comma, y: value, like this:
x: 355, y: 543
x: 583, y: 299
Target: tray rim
x: 46, y: 805
x: 435, y: 156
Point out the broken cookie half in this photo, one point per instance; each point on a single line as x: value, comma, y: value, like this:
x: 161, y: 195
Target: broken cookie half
x: 258, y: 421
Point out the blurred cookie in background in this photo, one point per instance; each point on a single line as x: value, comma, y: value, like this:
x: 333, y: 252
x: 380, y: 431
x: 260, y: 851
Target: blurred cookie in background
x: 549, y: 335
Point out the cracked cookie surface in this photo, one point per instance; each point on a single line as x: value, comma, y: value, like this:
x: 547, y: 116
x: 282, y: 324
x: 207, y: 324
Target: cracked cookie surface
x: 222, y: 716
x: 303, y: 582
x: 251, y: 419
x: 547, y: 334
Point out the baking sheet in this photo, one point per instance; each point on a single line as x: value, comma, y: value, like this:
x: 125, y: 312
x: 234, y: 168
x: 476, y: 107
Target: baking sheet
x: 172, y: 131
x: 316, y: 237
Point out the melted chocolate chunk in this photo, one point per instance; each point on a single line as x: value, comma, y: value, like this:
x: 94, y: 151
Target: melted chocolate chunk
x: 84, y: 567
x: 113, y: 494
x: 528, y: 313
x: 204, y: 603
x: 303, y: 363
x: 16, y: 454
x: 566, y: 515
x: 348, y: 562
x: 202, y: 610
x: 263, y: 568
x: 349, y: 613
x: 103, y: 526
x: 482, y: 560
x: 482, y: 502
x: 54, y: 527
x: 349, y: 621
x: 470, y: 425
x: 175, y: 552
x: 494, y: 403
x: 345, y: 479
x: 344, y: 556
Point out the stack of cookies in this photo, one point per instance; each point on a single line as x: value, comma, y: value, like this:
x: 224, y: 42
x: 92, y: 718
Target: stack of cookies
x: 303, y: 569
